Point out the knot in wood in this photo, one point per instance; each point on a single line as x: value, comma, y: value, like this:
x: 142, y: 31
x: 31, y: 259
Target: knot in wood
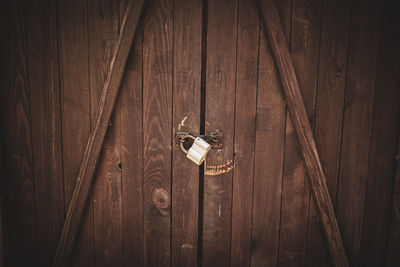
x: 161, y: 198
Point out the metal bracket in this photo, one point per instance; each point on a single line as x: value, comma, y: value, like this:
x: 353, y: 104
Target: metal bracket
x: 214, y: 138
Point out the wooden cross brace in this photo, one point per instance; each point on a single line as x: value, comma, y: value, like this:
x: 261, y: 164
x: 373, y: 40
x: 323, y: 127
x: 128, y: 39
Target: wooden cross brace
x: 294, y: 101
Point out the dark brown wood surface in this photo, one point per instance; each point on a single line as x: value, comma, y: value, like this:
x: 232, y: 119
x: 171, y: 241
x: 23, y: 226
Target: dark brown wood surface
x: 186, y: 117
x: 75, y: 113
x: 42, y: 51
x: 17, y: 145
x: 357, y: 123
x: 332, y: 69
x: 303, y: 41
x: 157, y: 134
x: 244, y: 131
x: 219, y: 114
x: 393, y: 242
x: 95, y: 142
x: 303, y: 130
x: 270, y: 128
x: 383, y: 139
x: 131, y: 106
x: 199, y: 65
x: 103, y: 31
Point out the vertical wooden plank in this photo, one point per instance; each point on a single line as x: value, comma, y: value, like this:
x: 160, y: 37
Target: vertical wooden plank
x: 329, y: 113
x: 41, y: 18
x: 186, y: 117
x: 75, y: 112
x: 131, y: 102
x: 157, y: 121
x: 270, y: 137
x: 2, y: 204
x: 383, y: 139
x: 393, y: 241
x: 17, y: 145
x: 244, y: 139
x: 304, y: 48
x: 220, y: 105
x: 103, y: 25
x: 361, y: 77
x: 4, y: 83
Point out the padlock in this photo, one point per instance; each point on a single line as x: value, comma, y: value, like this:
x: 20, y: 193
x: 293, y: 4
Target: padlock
x: 198, y: 151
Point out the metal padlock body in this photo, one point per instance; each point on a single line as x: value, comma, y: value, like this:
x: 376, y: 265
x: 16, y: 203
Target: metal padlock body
x: 198, y: 151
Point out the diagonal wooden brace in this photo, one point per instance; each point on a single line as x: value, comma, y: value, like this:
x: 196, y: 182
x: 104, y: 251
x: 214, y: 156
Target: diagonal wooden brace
x: 95, y: 142
x: 296, y: 108
x: 303, y: 130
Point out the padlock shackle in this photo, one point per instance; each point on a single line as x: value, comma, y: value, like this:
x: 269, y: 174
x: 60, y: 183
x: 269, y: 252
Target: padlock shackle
x: 183, y: 140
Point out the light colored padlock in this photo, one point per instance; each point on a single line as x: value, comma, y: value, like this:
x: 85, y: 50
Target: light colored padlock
x: 198, y: 151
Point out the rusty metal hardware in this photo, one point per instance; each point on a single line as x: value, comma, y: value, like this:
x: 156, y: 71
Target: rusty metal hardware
x: 214, y: 138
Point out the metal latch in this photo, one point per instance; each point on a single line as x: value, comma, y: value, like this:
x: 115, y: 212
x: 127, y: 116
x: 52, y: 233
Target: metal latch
x: 200, y: 146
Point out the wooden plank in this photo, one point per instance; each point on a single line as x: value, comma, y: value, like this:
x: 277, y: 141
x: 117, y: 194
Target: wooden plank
x: 303, y: 130
x: 130, y: 99
x: 357, y: 122
x: 219, y: 114
x: 3, y: 230
x: 244, y: 139
x: 17, y: 144
x: 94, y: 144
x: 304, y: 50
x: 75, y: 113
x: 46, y: 124
x: 4, y: 83
x: 186, y: 117
x: 157, y: 134
x: 383, y: 140
x: 393, y: 240
x: 329, y: 113
x: 270, y: 137
x: 103, y: 30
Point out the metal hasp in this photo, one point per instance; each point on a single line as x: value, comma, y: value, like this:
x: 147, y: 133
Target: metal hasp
x: 214, y: 138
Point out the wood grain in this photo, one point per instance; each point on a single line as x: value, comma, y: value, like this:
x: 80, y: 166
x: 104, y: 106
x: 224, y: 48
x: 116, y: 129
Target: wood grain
x: 357, y: 123
x: 304, y: 50
x: 383, y: 140
x: 303, y: 130
x: 186, y: 117
x: 3, y: 230
x: 103, y: 30
x: 4, y: 83
x: 244, y: 139
x: 130, y: 100
x: 219, y: 114
x: 270, y: 137
x: 75, y: 113
x: 393, y: 241
x: 42, y: 50
x: 94, y: 144
x: 157, y: 121
x: 329, y: 113
x: 16, y: 138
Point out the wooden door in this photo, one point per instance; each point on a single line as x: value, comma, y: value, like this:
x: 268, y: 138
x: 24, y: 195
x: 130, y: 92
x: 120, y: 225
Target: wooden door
x: 199, y: 66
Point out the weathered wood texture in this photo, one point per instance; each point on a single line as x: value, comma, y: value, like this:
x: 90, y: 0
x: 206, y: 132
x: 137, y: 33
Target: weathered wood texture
x: 131, y: 103
x: 157, y: 134
x: 332, y: 69
x: 186, y: 117
x: 220, y: 70
x: 94, y: 144
x: 17, y: 145
x: 244, y: 131
x: 103, y: 31
x: 75, y: 113
x: 303, y: 130
x: 193, y: 62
